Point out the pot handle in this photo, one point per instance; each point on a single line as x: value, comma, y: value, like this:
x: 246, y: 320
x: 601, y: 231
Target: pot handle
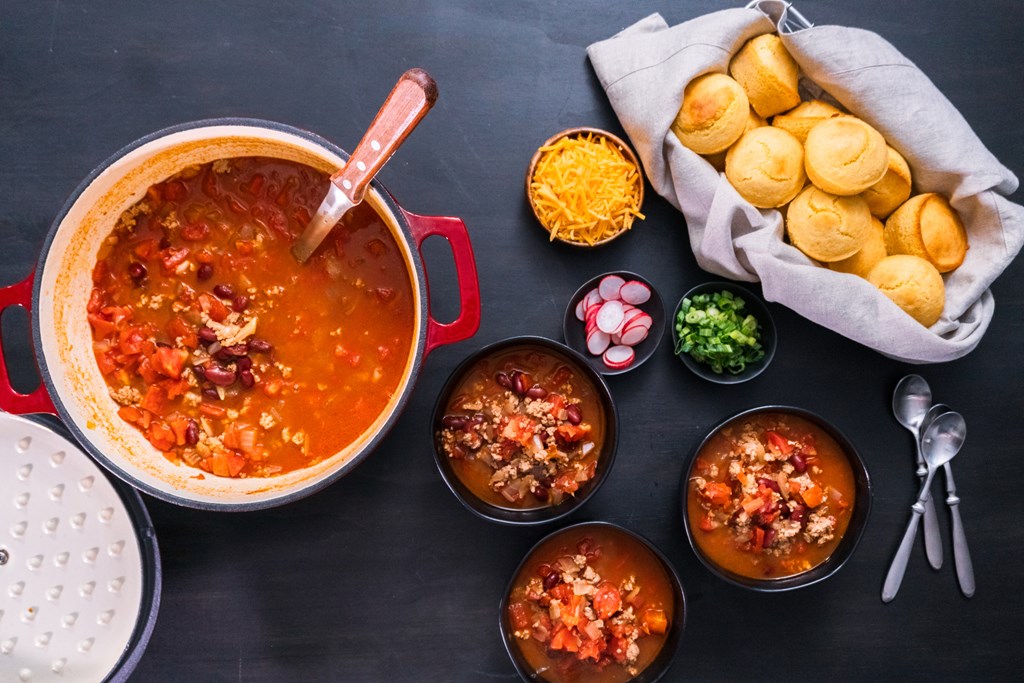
x: 12, y: 401
x: 468, y: 322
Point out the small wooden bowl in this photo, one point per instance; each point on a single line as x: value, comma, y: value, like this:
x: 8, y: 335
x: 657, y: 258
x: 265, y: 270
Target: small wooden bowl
x: 576, y: 132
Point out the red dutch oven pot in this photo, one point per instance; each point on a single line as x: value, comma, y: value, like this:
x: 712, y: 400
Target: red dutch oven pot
x: 57, y: 291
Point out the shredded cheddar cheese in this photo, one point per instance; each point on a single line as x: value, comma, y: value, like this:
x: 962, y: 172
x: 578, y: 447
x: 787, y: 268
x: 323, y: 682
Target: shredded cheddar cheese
x: 584, y: 190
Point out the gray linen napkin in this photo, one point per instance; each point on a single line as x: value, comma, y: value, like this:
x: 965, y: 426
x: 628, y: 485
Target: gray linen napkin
x: 644, y: 69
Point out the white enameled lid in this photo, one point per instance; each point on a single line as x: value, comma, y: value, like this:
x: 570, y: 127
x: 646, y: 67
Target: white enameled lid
x: 71, y: 568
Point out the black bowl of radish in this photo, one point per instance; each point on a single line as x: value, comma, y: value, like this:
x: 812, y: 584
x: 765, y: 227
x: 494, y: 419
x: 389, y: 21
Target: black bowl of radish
x: 616, y: 321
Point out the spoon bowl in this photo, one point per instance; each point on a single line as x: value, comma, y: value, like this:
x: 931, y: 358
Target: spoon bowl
x: 910, y: 401
x: 943, y: 439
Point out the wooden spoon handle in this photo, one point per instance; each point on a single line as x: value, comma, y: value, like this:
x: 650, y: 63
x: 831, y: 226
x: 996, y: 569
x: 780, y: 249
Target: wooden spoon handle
x: 409, y: 101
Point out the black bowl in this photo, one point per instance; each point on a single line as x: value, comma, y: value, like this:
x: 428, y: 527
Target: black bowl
x: 755, y: 307
x: 539, y: 515
x: 661, y: 663
x: 575, y: 332
x: 848, y: 543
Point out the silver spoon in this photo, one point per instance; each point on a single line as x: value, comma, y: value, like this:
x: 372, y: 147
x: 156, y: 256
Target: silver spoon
x: 910, y: 402
x: 939, y: 444
x: 961, y: 554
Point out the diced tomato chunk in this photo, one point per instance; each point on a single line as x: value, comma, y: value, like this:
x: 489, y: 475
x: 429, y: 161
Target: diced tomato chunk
x: 106, y: 364
x: 155, y: 400
x: 519, y: 428
x: 519, y: 615
x: 607, y: 600
x: 240, y: 438
x: 161, y: 436
x: 564, y: 639
x: 617, y: 648
x: 179, y: 328
x: 168, y: 361
x: 780, y: 442
x: 717, y: 493
x: 172, y: 258
x: 213, y: 307
x: 129, y: 414
x: 566, y: 482
x: 562, y: 591
x: 132, y: 340
x: 592, y: 649
x: 571, y: 433
x: 195, y: 232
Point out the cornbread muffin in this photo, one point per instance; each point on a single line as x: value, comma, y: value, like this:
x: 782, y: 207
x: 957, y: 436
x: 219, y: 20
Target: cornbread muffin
x: 768, y: 74
x: 867, y: 256
x: 892, y: 190
x: 718, y: 160
x: 845, y: 156
x: 913, y: 284
x: 766, y: 166
x: 927, y: 226
x: 713, y: 115
x: 827, y: 227
x: 805, y: 116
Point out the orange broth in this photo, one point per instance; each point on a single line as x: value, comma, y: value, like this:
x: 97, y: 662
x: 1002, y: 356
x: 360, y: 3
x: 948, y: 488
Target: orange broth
x: 714, y: 513
x: 201, y: 257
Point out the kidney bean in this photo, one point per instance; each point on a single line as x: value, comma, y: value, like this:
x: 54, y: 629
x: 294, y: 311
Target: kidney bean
x: 541, y: 493
x: 477, y: 419
x: 769, y: 536
x: 244, y: 363
x: 224, y: 291
x: 798, y: 462
x: 536, y: 391
x: 192, y: 433
x: 518, y: 384
x: 771, y: 484
x: 210, y: 392
x: 220, y: 376
x: 204, y: 272
x: 240, y: 303
x: 797, y: 513
x: 260, y: 345
x: 199, y: 371
x: 784, y: 510
x: 136, y: 271
x: 544, y: 569
x: 454, y: 421
x: 573, y: 414
x: 207, y: 335
x: 223, y: 355
x: 551, y: 580
x: 164, y: 243
x: 503, y: 381
x: 238, y: 350
x: 246, y: 378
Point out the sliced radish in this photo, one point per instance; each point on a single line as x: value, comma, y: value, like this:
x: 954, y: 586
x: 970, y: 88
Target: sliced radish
x: 643, y: 319
x: 592, y: 310
x: 616, y: 339
x: 609, y: 318
x: 610, y: 286
x: 629, y: 316
x: 634, y: 292
x: 634, y: 335
x: 618, y: 357
x: 580, y: 311
x: 597, y: 342
x: 592, y: 297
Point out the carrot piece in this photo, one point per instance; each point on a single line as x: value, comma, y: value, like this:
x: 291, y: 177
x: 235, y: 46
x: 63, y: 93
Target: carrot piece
x: 129, y: 414
x: 155, y: 400
x: 212, y: 410
x: 813, y: 496
x: 780, y: 442
x: 717, y: 493
x: 161, y: 436
x: 654, y: 621
x: 607, y: 600
x: 758, y: 538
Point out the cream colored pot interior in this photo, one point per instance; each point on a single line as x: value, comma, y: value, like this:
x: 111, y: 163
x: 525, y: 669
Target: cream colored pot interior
x: 66, y: 336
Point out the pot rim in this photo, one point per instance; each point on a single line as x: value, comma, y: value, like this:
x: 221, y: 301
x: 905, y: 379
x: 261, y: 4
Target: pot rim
x: 301, y: 489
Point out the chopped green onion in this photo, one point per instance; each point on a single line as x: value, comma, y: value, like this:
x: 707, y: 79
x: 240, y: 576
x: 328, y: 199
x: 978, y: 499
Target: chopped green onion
x: 716, y: 330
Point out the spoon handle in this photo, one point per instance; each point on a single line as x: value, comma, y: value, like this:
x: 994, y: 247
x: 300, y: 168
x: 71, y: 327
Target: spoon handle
x: 899, y: 562
x: 961, y: 554
x: 932, y: 534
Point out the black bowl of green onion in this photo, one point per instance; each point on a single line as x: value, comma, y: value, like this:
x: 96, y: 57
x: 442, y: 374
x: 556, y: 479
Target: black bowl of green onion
x: 723, y: 333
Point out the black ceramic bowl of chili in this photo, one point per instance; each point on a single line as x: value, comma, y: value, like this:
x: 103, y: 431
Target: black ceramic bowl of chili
x: 524, y: 431
x: 621, y: 608
x: 805, y: 536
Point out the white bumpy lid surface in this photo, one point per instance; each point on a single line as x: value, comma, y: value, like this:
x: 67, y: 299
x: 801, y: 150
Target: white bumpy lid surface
x: 70, y: 562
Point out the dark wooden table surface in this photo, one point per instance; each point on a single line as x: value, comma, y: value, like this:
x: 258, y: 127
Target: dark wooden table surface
x: 384, y: 576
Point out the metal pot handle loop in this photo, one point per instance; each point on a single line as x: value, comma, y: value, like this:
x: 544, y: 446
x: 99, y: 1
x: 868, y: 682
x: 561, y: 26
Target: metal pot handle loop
x: 11, y: 400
